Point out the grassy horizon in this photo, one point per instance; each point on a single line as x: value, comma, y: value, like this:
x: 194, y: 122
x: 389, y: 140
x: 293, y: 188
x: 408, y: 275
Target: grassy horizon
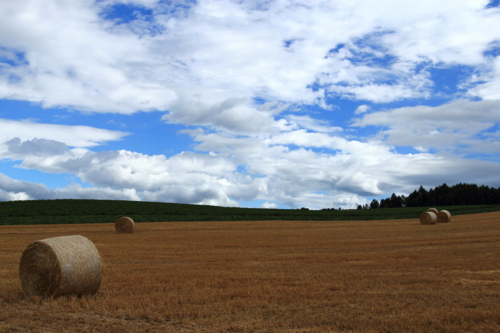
x: 78, y: 211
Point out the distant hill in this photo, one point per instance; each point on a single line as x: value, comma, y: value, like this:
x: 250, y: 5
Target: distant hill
x: 68, y: 211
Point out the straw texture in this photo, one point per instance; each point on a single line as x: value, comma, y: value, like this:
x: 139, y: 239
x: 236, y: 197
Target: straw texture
x: 444, y: 216
x: 428, y: 218
x: 60, y: 265
x: 434, y: 210
x: 125, y: 225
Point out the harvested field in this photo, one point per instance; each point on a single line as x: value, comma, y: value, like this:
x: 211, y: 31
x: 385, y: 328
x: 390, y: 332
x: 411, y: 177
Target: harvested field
x: 271, y: 276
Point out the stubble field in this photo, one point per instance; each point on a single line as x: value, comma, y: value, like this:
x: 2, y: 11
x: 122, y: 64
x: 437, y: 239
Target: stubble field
x: 271, y: 276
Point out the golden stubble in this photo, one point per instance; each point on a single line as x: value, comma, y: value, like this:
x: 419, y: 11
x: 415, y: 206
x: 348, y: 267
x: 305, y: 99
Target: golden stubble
x: 271, y: 276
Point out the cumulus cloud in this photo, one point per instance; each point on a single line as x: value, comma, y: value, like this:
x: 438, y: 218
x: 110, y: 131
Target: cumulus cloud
x: 316, y: 125
x: 275, y: 50
x: 23, y: 189
x: 350, y: 170
x: 74, y: 136
x: 235, y: 115
x: 361, y: 109
x: 273, y: 172
x: 188, y: 177
x: 241, y: 78
x: 456, y: 125
x: 11, y: 189
x: 269, y: 205
x: 37, y: 147
x: 485, y: 86
x: 74, y: 59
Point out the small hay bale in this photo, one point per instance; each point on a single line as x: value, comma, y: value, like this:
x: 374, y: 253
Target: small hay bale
x: 443, y: 216
x: 124, y: 225
x: 60, y: 266
x: 428, y: 218
x: 434, y: 210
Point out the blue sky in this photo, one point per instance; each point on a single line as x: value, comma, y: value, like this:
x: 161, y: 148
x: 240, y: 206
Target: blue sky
x: 247, y: 103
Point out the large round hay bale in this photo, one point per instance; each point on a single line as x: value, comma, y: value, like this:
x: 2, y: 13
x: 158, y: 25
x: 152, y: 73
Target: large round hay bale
x: 443, y: 216
x: 428, y: 218
x: 434, y: 210
x: 124, y: 225
x: 60, y: 265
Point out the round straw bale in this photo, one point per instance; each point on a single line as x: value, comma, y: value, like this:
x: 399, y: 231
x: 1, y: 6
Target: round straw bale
x: 124, y: 225
x: 59, y: 266
x: 443, y: 216
x: 428, y: 218
x: 434, y: 210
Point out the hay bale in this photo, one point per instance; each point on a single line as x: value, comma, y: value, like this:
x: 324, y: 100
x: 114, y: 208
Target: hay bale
x: 443, y: 216
x: 124, y: 225
x: 428, y: 218
x: 59, y: 266
x: 434, y: 210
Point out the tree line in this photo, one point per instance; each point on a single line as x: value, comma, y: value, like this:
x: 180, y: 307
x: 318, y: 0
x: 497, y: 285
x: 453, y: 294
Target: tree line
x: 443, y: 195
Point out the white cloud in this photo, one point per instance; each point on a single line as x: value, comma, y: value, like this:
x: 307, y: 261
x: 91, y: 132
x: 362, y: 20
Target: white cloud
x: 237, y: 69
x: 66, y: 54
x: 23, y: 189
x: 269, y: 205
x: 74, y: 136
x: 312, y: 124
x: 234, y: 115
x: 13, y: 196
x: 11, y: 189
x: 187, y: 177
x: 489, y: 89
x: 272, y: 172
x: 76, y: 191
x: 356, y: 169
x: 37, y: 147
x: 444, y: 32
x: 361, y: 109
x: 380, y: 93
x: 72, y: 59
x: 452, y: 126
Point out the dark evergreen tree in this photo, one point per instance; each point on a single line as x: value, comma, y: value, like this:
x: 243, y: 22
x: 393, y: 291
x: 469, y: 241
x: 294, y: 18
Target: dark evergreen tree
x: 396, y: 201
x: 374, y: 204
x: 424, y: 197
x: 385, y: 203
x: 443, y: 195
x: 413, y: 199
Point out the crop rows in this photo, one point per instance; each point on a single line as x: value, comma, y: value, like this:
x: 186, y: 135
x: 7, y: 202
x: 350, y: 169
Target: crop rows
x: 71, y: 211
